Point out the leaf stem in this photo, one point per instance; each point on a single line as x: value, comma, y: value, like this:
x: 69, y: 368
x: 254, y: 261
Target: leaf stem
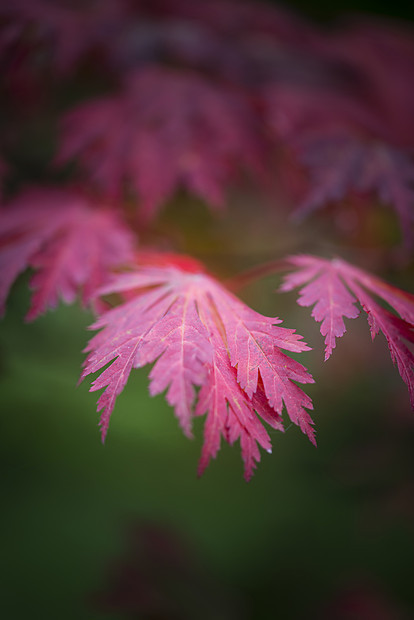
x: 239, y: 281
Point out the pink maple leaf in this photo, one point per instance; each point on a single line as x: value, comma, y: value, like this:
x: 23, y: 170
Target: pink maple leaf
x: 169, y: 129
x: 200, y: 336
x: 335, y: 286
x: 71, y: 243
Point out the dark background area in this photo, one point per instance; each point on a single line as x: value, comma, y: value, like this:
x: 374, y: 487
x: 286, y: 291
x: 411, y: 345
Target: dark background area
x: 324, y: 10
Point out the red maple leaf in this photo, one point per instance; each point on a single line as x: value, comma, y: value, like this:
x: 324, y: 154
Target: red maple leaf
x: 200, y: 335
x: 169, y: 129
x: 71, y: 242
x: 335, y: 286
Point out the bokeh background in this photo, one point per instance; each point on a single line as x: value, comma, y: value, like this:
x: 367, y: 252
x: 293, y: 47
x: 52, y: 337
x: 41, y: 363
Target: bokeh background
x: 126, y: 530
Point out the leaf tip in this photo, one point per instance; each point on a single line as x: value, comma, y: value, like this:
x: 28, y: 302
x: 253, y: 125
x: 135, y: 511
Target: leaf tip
x: 200, y: 470
x: 312, y: 438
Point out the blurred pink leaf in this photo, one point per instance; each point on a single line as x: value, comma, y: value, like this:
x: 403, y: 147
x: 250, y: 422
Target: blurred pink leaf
x: 71, y: 242
x: 344, y: 146
x: 168, y: 129
x: 341, y: 164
